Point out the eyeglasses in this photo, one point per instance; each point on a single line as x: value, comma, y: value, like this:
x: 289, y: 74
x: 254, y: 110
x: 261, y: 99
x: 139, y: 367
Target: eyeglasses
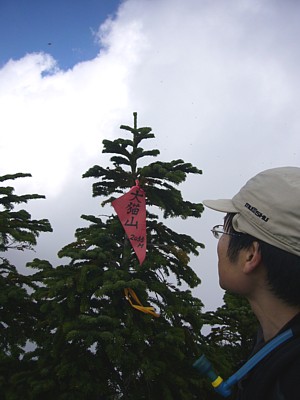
x: 218, y: 231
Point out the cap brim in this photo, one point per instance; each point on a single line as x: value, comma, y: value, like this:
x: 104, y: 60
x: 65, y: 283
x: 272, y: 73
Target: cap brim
x: 223, y: 205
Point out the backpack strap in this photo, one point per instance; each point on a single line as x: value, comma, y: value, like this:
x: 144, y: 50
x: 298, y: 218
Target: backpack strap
x: 260, y: 355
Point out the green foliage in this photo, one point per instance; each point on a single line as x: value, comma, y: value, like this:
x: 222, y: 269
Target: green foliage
x: 233, y: 330
x: 157, y: 179
x: 18, y: 312
x: 17, y: 229
x: 85, y: 315
x: 16, y: 307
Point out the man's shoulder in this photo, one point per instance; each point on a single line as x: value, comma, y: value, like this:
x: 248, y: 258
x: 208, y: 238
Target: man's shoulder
x: 277, y: 376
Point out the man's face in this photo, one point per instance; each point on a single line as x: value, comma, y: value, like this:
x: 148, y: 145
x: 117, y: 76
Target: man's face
x: 231, y: 274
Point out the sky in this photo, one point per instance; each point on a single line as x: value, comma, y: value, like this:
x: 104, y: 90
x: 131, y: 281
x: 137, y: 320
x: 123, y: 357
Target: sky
x: 217, y: 81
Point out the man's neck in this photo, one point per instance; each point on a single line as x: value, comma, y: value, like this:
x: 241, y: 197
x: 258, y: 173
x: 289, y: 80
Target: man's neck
x: 272, y: 314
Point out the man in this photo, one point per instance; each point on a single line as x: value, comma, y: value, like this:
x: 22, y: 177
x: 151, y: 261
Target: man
x: 259, y: 258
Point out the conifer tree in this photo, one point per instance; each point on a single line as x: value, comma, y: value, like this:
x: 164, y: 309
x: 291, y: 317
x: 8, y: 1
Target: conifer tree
x: 94, y: 343
x: 232, y: 335
x: 18, y: 313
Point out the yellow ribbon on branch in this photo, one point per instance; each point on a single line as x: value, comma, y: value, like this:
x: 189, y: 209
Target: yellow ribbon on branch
x: 131, y: 296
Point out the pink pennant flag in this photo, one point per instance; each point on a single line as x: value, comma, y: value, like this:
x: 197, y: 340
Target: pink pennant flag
x: 131, y: 210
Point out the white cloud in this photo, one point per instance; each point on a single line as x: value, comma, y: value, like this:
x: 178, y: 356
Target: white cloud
x: 54, y: 120
x: 218, y: 82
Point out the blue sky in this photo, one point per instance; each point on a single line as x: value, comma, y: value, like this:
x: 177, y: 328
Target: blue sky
x: 218, y: 81
x: 63, y: 28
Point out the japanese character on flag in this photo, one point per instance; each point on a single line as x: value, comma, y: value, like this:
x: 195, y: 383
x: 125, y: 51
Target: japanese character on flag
x: 131, y: 210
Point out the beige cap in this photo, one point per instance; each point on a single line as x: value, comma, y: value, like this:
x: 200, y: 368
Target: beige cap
x: 268, y: 208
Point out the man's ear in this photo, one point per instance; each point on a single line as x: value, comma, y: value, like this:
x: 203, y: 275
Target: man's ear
x: 252, y: 257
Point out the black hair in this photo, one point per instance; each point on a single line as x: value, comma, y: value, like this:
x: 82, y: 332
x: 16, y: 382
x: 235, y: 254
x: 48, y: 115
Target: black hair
x: 283, y: 268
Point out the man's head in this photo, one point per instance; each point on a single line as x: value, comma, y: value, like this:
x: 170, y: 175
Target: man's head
x: 267, y: 211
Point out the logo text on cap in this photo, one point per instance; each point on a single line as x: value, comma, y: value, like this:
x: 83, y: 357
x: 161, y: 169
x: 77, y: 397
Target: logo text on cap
x: 255, y: 211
